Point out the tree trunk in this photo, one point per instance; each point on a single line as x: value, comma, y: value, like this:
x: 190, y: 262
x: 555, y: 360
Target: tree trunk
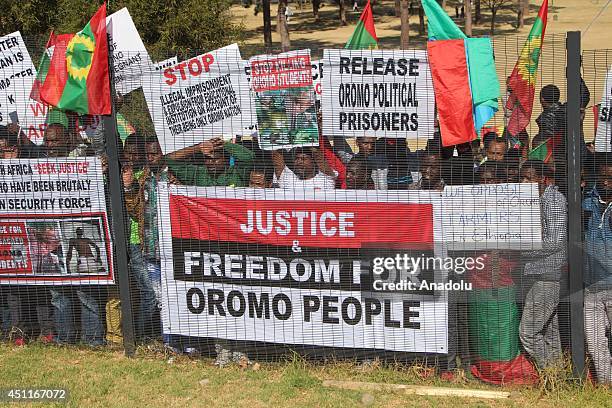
x: 267, y: 24
x: 421, y: 21
x: 520, y: 18
x: 443, y: 4
x: 398, y: 8
x: 468, y: 17
x: 493, y: 16
x: 316, y: 4
x: 478, y: 15
x: 405, y: 24
x: 342, y: 9
x: 282, y: 27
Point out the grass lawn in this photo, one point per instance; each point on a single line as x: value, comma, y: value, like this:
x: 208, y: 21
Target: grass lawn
x: 108, y: 378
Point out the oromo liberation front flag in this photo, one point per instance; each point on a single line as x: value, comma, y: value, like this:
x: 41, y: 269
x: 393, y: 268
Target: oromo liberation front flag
x: 73, y: 73
x: 464, y: 77
x: 364, y: 36
x: 522, y: 80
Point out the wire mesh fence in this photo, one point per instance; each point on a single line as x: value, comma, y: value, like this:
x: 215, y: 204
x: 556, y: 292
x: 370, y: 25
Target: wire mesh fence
x: 280, y: 203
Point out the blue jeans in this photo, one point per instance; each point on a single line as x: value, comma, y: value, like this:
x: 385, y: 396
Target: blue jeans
x: 148, y: 299
x: 92, y: 329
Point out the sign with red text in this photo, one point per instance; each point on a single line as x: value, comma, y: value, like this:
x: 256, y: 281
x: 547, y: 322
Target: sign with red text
x: 53, y: 223
x: 295, y: 268
x: 284, y: 96
x: 204, y: 97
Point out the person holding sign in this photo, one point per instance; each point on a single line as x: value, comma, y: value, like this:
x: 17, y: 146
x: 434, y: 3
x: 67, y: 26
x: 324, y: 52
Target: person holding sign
x: 539, y: 328
x: 306, y: 169
x: 225, y: 164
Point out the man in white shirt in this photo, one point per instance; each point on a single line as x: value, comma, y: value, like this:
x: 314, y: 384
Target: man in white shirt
x: 303, y: 168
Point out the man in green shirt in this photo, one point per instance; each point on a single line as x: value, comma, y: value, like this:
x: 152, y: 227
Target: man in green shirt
x: 225, y: 164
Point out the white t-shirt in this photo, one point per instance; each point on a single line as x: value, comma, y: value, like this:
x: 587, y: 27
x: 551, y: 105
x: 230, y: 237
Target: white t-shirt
x: 288, y: 180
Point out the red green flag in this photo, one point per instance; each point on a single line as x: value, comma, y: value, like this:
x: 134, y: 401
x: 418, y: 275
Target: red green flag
x: 523, y: 78
x: 544, y: 150
x: 364, y: 36
x: 73, y: 73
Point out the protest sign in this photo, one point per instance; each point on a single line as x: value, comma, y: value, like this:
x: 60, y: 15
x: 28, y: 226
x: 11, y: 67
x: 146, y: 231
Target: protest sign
x: 53, y: 223
x: 167, y: 63
x: 32, y: 120
x: 204, y: 97
x: 129, y: 55
x: 290, y: 268
x: 284, y: 100
x: 603, y: 136
x: 381, y: 93
x: 17, y: 74
x: 492, y: 216
x: 317, y: 74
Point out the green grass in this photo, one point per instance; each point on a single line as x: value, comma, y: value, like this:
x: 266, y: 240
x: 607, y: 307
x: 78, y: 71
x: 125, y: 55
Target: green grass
x: 108, y: 378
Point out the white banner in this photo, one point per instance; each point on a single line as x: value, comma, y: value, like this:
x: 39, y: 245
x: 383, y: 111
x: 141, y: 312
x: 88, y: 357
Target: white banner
x: 54, y: 228
x: 312, y: 292
x: 382, y: 93
x: 17, y: 75
x: 130, y: 57
x: 202, y: 98
x: 167, y: 63
x: 492, y: 216
x: 603, y: 137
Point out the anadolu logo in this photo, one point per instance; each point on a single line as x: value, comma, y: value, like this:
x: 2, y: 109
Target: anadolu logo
x: 79, y: 56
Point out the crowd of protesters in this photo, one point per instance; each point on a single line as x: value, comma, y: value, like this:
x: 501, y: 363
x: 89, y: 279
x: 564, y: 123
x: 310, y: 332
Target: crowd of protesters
x: 371, y: 164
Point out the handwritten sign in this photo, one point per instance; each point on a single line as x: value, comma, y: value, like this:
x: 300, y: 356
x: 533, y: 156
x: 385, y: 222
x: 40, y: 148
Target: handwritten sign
x: 492, y: 216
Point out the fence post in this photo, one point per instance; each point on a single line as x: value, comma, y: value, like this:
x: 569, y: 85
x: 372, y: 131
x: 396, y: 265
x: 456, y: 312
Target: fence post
x: 118, y: 218
x: 574, y: 201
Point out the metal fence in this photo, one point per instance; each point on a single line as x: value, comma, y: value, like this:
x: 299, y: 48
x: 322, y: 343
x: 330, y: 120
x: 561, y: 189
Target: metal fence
x: 228, y: 249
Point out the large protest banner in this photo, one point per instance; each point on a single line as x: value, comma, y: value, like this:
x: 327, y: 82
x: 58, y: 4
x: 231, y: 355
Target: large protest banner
x: 492, y: 216
x: 381, y: 93
x: 17, y: 74
x: 129, y: 55
x: 167, y: 63
x: 603, y: 137
x: 53, y: 223
x: 284, y: 100
x: 292, y: 267
x: 204, y: 97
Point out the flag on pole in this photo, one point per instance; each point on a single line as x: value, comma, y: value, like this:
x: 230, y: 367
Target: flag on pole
x: 73, y: 73
x: 464, y: 77
x: 544, y: 150
x: 364, y: 36
x: 521, y: 83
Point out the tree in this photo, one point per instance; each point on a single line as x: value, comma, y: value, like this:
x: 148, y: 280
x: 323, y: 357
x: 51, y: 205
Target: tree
x: 467, y: 4
x: 404, y: 24
x: 281, y: 25
x: 522, y: 12
x: 316, y: 5
x: 478, y: 14
x: 494, y: 6
x: 421, y: 20
x: 267, y: 24
x: 398, y: 8
x: 342, y: 11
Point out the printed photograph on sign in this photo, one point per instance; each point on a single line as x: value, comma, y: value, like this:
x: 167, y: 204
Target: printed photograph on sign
x: 284, y: 100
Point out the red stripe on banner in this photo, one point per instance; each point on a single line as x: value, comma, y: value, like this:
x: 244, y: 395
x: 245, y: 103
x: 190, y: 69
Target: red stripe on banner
x: 52, y: 89
x: 98, y: 85
x: 311, y: 223
x: 451, y: 81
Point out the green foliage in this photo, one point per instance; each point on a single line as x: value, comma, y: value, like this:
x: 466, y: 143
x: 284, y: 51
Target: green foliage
x: 167, y: 27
